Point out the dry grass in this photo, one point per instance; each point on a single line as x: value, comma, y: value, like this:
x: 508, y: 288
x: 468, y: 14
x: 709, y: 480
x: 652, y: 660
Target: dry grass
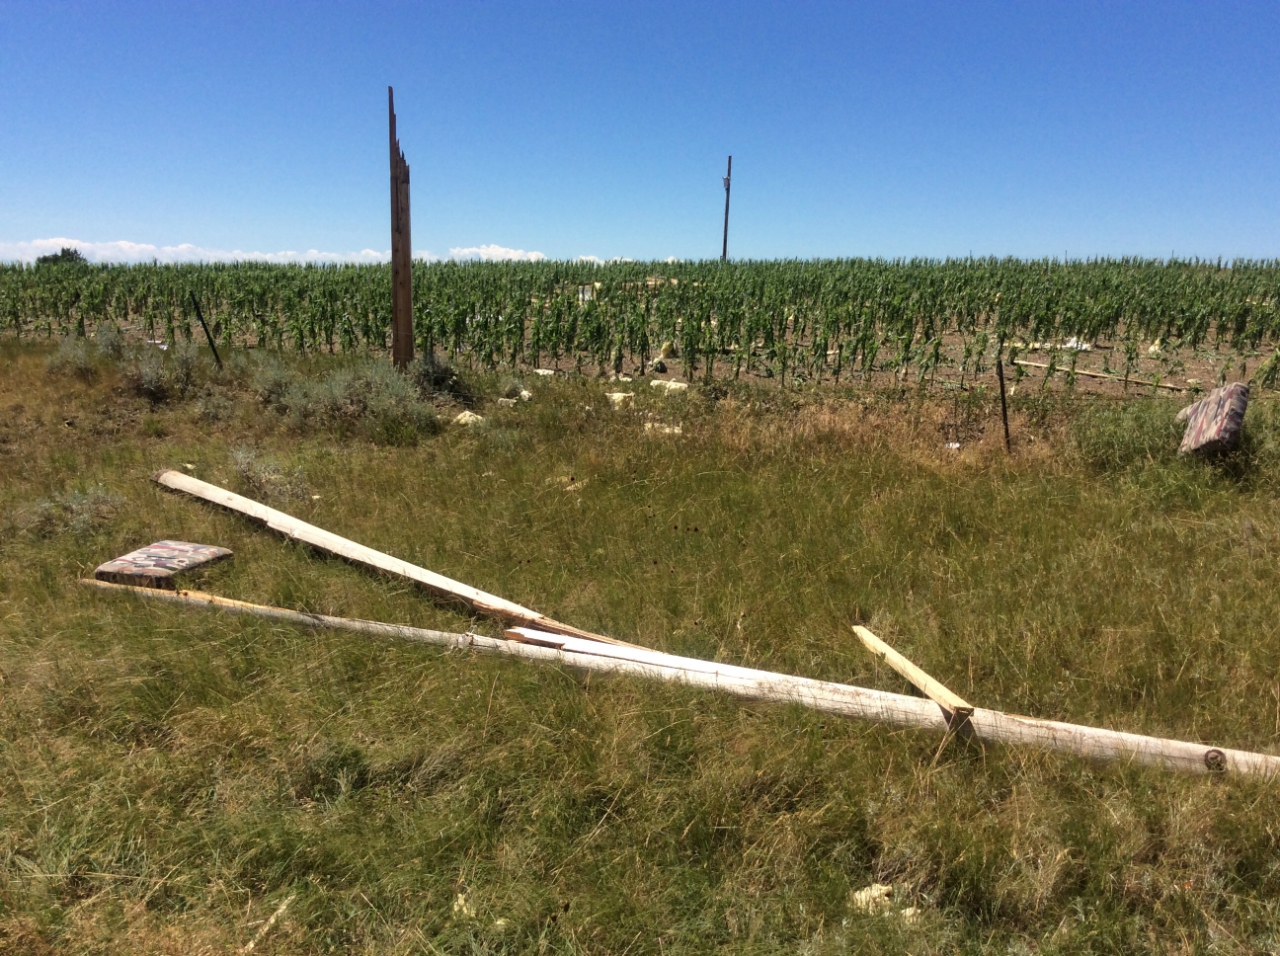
x: 171, y: 777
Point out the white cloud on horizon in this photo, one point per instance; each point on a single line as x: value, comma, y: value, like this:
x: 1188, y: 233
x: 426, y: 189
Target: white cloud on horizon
x: 123, y: 251
x: 495, y: 253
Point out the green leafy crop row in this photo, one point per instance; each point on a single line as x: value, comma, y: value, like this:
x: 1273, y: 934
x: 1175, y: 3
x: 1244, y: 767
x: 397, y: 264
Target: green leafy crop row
x: 821, y: 316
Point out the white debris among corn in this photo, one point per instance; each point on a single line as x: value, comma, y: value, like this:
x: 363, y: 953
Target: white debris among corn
x: 669, y: 387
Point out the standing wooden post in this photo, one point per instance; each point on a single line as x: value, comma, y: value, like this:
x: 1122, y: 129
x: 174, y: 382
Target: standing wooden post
x: 724, y: 250
x: 1004, y: 402
x: 401, y: 249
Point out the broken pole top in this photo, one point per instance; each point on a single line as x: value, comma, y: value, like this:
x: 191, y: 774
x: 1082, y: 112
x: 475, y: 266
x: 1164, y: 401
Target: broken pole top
x: 401, y: 248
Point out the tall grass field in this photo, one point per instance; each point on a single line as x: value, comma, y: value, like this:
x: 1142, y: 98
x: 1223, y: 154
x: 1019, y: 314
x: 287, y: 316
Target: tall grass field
x: 185, y: 781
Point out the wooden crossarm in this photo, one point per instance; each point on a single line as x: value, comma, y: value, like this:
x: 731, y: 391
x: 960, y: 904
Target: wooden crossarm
x: 957, y: 708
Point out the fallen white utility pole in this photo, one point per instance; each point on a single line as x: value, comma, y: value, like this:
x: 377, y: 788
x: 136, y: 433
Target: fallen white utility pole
x: 894, y: 709
x: 489, y: 605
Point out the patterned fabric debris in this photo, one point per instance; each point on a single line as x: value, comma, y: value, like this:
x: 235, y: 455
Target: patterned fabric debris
x: 1214, y: 422
x: 155, y: 565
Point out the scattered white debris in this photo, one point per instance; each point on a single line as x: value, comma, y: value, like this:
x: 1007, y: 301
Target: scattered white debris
x: 315, y: 497
x: 877, y: 900
x: 469, y: 418
x: 568, y: 482
x: 953, y: 446
x: 1156, y: 347
x: 463, y: 907
x: 869, y: 899
x: 619, y: 399
x: 1074, y: 344
x: 501, y: 924
x: 525, y: 395
x: 544, y: 372
x: 669, y: 387
x: 506, y: 402
x: 659, y: 429
x: 187, y: 466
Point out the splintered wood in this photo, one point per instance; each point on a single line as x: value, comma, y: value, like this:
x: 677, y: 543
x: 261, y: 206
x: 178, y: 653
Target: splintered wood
x: 401, y: 248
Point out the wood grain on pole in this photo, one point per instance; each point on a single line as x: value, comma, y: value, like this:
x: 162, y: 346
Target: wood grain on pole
x: 488, y: 605
x: 846, y: 700
x: 401, y: 248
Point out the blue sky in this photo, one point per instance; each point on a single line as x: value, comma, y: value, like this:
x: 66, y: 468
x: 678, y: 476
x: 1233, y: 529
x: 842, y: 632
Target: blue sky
x: 571, y: 129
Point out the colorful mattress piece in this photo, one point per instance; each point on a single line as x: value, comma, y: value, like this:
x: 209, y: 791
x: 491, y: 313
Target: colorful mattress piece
x: 1214, y: 422
x: 155, y: 565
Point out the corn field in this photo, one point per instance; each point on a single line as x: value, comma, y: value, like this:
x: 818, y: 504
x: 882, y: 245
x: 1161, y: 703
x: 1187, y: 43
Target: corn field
x: 820, y: 318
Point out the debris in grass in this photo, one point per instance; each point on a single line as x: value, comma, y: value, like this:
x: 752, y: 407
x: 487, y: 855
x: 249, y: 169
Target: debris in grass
x: 468, y: 418
x: 463, y: 908
x: 1214, y: 422
x: 669, y: 386
x: 619, y: 399
x: 525, y: 395
x: 657, y: 428
x: 266, y: 927
x: 872, y: 899
x: 507, y: 402
x: 953, y: 445
x: 544, y: 372
x: 155, y: 565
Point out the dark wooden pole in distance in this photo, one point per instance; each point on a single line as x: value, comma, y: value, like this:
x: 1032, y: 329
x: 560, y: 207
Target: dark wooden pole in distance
x: 401, y: 249
x: 724, y: 250
x: 1004, y: 404
x: 200, y: 315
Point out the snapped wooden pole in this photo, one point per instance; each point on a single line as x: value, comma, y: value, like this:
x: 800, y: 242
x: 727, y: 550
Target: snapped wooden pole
x: 401, y: 249
x: 483, y: 603
x: 896, y: 710
x: 958, y: 710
